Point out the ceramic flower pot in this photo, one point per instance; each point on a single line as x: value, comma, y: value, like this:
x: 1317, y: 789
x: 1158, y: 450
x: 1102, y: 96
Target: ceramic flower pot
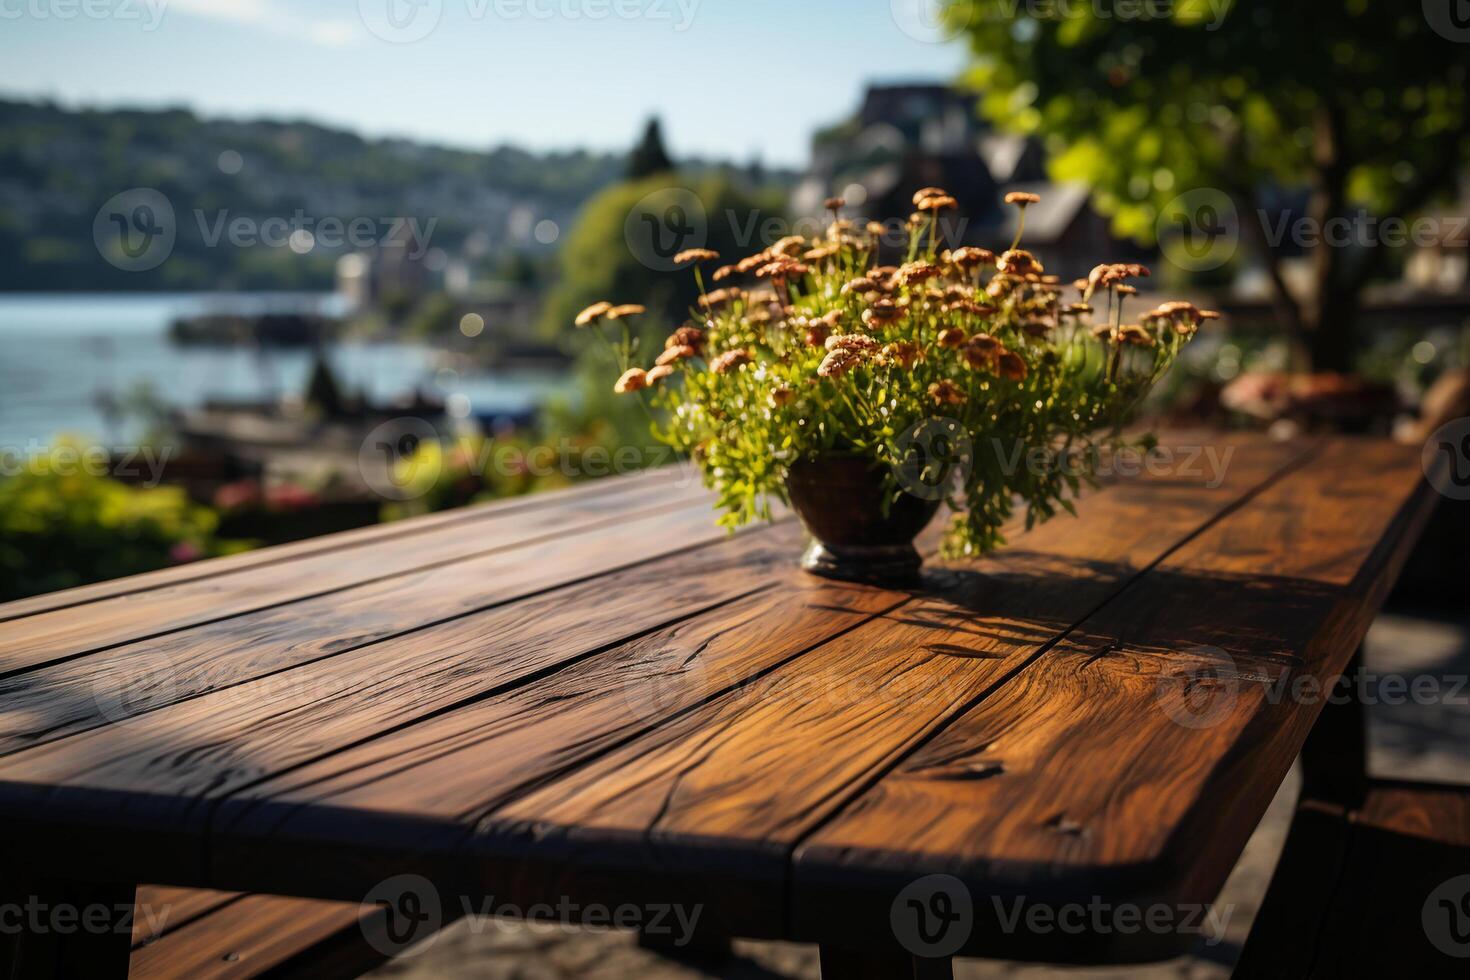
x: 839, y: 500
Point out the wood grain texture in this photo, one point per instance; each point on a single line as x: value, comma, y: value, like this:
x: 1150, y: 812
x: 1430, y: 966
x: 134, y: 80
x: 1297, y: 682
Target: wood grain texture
x: 157, y: 772
x: 722, y: 790
x: 250, y: 937
x: 1132, y: 761
x: 645, y: 712
x: 124, y: 683
x: 160, y: 909
x: 434, y: 777
x: 598, y: 496
x: 44, y: 637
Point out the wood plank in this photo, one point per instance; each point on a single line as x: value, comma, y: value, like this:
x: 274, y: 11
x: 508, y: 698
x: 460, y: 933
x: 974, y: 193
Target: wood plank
x: 586, y: 498
x: 247, y: 938
x: 47, y: 637
x: 1133, y: 760
x: 224, y: 740
x: 124, y: 682
x: 722, y: 790
x: 1436, y: 813
x: 207, y: 747
x: 1369, y: 892
x: 160, y: 909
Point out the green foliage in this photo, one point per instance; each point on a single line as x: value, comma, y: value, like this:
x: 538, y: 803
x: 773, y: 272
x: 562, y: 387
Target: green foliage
x: 904, y: 366
x: 60, y: 165
x: 1356, y: 103
x: 567, y: 449
x: 64, y: 164
x: 597, y: 259
x: 1224, y: 94
x: 62, y: 526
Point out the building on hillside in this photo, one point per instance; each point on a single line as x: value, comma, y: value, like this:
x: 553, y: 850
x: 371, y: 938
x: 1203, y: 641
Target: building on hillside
x: 904, y: 137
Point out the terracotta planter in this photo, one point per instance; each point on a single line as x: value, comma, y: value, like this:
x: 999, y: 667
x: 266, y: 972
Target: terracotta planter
x: 840, y: 502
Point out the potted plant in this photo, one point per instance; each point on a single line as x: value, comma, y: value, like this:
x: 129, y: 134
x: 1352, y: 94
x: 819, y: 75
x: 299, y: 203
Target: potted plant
x: 867, y: 395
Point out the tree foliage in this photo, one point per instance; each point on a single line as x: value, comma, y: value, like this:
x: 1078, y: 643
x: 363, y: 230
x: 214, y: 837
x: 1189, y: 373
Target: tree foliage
x: 62, y: 525
x: 1357, y: 103
x: 606, y: 253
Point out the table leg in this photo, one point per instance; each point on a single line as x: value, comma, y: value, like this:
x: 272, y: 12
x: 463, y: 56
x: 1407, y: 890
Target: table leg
x: 846, y: 964
x: 65, y: 930
x: 1335, y: 756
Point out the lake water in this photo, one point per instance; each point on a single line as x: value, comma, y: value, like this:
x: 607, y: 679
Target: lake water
x: 63, y: 358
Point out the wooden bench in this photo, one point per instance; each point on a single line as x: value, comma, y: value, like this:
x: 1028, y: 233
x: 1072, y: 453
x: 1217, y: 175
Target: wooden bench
x: 1361, y: 890
x: 194, y: 934
x: 1374, y: 879
x: 600, y: 701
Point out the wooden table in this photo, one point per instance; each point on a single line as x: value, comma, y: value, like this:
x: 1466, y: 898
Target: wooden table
x: 597, y: 700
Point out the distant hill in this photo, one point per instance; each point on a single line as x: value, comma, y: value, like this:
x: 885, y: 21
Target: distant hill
x: 59, y: 167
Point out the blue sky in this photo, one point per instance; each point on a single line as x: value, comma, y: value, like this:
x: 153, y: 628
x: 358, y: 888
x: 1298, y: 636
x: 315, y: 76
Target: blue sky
x: 729, y: 77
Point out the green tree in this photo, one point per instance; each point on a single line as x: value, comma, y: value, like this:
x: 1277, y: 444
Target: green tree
x: 649, y: 157
x: 1359, y: 103
x: 609, y: 254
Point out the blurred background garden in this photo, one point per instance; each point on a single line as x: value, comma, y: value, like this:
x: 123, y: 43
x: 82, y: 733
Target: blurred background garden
x: 272, y: 270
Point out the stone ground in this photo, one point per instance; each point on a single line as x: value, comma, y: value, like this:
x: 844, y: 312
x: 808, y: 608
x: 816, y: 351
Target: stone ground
x: 1408, y: 740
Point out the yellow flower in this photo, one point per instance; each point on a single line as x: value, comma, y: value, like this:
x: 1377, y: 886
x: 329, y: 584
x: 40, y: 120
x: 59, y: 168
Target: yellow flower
x: 686, y: 336
x: 626, y: 310
x: 1018, y: 262
x: 916, y: 272
x: 1132, y: 333
x: 729, y: 361
x: 903, y: 352
x: 946, y: 392
x: 673, y: 355
x: 838, y: 362
x: 1012, y: 366
x: 852, y: 341
x: 940, y: 203
x: 633, y: 379
x: 593, y: 313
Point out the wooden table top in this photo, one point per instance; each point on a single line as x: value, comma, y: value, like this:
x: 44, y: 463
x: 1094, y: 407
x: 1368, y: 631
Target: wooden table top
x: 597, y: 695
